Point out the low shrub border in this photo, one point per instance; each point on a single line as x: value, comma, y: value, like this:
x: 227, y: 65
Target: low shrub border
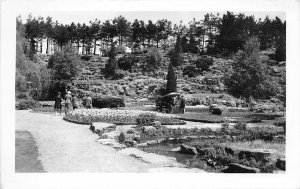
x: 124, y: 117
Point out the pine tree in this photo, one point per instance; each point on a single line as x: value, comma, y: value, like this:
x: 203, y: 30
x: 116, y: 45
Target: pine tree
x: 171, y: 80
x: 175, y: 56
x: 112, y: 63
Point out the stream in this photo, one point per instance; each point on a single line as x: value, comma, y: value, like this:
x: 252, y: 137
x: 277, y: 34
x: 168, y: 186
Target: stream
x: 192, y: 161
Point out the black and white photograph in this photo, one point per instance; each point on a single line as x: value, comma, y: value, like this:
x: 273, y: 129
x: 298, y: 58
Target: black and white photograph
x: 151, y: 92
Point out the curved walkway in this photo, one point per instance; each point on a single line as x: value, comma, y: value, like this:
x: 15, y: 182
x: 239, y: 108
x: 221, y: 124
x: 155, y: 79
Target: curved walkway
x: 69, y: 147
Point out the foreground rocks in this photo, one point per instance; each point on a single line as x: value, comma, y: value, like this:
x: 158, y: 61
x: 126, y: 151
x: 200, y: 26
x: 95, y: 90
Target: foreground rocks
x: 237, y: 168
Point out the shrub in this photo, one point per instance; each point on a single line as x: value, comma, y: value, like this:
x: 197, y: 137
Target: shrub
x: 28, y: 104
x: 120, y: 49
x: 145, y: 119
x: 240, y: 126
x: 108, y: 102
x: 119, y: 74
x: 216, y: 111
x: 190, y: 71
x: 121, y: 138
x: 126, y: 62
x: 153, y: 58
x: 86, y: 57
x: 225, y: 126
x: 204, y: 63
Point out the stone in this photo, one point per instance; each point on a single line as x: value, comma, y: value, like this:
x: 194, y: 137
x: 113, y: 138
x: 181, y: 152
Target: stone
x: 185, y: 149
x: 257, y: 154
x: 237, y: 168
x: 280, y: 163
x: 130, y: 143
x: 148, y: 128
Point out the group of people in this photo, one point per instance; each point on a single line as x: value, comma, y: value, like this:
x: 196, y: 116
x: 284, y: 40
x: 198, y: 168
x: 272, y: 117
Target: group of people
x: 71, y: 102
x: 178, y: 105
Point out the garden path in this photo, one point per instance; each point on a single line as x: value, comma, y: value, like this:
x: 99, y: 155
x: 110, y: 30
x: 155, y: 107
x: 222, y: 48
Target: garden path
x: 69, y: 147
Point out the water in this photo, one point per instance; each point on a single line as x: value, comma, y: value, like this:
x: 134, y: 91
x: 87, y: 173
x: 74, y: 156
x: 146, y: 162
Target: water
x: 192, y: 161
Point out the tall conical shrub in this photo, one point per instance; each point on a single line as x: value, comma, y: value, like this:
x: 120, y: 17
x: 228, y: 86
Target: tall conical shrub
x: 171, y: 80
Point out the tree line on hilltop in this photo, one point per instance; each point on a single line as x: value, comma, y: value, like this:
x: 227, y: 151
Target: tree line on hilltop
x: 213, y: 34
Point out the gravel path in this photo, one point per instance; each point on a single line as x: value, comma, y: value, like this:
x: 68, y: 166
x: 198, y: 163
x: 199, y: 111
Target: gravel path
x: 69, y: 147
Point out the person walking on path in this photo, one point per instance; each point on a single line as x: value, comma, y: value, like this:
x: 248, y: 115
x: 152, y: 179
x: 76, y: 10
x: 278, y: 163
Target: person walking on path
x: 88, y: 102
x: 68, y: 99
x: 182, y: 104
x: 74, y: 102
x: 57, y: 104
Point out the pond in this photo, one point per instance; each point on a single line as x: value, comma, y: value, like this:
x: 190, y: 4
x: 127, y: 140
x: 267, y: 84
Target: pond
x: 192, y: 161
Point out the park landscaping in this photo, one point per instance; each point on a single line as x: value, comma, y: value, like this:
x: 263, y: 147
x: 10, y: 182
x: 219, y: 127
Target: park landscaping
x: 232, y: 118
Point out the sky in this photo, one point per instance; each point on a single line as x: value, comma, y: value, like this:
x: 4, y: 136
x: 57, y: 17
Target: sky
x: 174, y: 17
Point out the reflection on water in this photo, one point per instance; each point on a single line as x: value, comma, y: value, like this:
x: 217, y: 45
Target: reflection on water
x: 193, y: 161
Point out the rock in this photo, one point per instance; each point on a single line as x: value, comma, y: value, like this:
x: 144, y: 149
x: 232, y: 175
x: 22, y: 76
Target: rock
x: 130, y: 143
x: 257, y: 154
x: 175, y: 149
x: 148, y: 128
x: 281, y: 163
x: 185, y: 149
x: 237, y: 168
x: 203, y: 151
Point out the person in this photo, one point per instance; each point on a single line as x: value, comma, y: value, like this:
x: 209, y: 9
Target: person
x: 57, y: 104
x: 88, y: 102
x: 68, y: 99
x: 178, y: 105
x: 74, y: 101
x: 182, y: 104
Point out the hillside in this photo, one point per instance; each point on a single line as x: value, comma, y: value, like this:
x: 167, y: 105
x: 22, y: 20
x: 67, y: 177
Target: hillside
x: 140, y: 85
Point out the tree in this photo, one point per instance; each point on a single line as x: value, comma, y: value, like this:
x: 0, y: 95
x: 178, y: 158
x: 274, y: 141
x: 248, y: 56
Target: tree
x: 32, y: 79
x: 123, y: 27
x: 65, y: 64
x: 112, y: 64
x: 171, y: 80
x: 151, y: 31
x: 163, y: 30
x: 176, y: 54
x: 249, y: 76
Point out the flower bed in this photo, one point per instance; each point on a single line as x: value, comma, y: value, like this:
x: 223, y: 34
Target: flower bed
x: 126, y: 117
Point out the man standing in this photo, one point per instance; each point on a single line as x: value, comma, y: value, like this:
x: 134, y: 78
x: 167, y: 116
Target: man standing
x: 88, y: 101
x: 68, y: 101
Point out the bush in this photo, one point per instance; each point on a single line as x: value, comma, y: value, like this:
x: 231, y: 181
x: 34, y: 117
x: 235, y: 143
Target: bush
x: 145, y: 119
x: 108, y: 102
x: 119, y: 74
x: 126, y: 62
x: 86, y: 57
x: 190, y: 71
x: 121, y: 138
x: 225, y: 126
x: 28, y: 104
x: 240, y: 126
x: 204, y: 63
x: 120, y: 49
x: 153, y: 58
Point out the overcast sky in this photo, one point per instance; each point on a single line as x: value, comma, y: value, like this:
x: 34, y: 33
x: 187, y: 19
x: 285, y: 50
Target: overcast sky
x: 174, y: 17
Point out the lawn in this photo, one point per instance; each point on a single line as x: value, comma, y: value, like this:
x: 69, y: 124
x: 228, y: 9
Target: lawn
x: 26, y: 155
x: 249, y: 117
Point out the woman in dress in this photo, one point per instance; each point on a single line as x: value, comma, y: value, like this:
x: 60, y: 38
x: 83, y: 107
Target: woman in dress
x: 57, y: 104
